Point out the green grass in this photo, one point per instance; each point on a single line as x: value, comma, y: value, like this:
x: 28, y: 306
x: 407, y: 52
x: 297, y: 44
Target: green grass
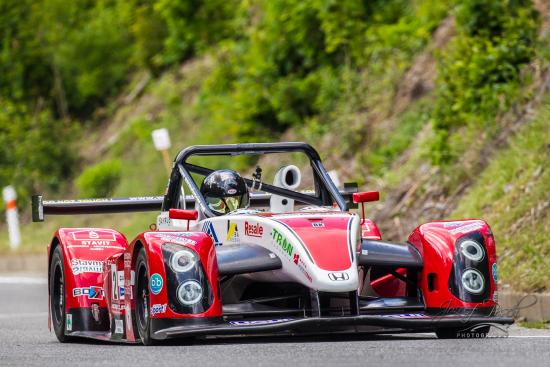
x: 535, y: 324
x: 513, y: 195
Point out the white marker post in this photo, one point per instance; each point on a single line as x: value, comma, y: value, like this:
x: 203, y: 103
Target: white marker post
x: 12, y: 217
x: 161, y: 139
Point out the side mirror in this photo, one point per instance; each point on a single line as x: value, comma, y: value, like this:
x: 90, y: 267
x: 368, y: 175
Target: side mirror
x: 363, y: 197
x: 182, y: 214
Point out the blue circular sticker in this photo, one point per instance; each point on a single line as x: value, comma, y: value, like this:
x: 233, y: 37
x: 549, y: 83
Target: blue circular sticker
x: 495, y: 276
x: 156, y: 283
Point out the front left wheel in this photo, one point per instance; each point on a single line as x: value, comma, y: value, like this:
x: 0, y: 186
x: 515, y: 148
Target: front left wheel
x: 57, y: 296
x: 142, y: 301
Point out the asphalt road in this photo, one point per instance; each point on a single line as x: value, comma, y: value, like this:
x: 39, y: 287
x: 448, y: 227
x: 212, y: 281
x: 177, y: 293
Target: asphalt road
x: 26, y: 341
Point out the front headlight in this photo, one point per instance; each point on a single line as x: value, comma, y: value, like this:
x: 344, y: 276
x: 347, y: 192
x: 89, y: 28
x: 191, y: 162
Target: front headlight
x: 472, y: 250
x: 189, y: 292
x: 473, y: 282
x: 183, y: 260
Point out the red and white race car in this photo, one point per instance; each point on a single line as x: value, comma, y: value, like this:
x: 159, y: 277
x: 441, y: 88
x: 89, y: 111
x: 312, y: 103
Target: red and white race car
x: 295, y: 260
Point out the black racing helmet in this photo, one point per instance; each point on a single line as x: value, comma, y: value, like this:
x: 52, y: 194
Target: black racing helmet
x: 225, y: 191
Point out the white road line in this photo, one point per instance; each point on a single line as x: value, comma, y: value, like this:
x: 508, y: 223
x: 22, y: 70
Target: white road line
x: 19, y: 316
x: 23, y: 280
x: 528, y: 336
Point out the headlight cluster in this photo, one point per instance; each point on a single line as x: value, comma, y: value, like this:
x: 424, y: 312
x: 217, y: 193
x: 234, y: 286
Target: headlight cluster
x: 472, y: 250
x: 473, y: 281
x: 189, y: 292
x: 470, y: 274
x: 183, y: 260
x: 188, y: 287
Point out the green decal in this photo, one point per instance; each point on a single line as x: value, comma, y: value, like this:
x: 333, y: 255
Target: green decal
x: 283, y: 242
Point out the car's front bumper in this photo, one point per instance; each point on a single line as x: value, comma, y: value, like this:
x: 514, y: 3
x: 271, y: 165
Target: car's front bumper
x: 415, y: 322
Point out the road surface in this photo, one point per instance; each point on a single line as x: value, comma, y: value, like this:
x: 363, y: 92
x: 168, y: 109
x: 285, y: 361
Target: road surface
x: 26, y: 341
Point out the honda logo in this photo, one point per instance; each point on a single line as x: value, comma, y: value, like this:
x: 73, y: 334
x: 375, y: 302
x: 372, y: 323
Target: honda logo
x: 338, y: 276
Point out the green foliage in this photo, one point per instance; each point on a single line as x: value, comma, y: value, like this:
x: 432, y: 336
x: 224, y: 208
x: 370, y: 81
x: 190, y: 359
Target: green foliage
x: 480, y: 74
x: 512, y: 195
x: 295, y: 62
x: 100, y: 180
x: 36, y: 151
x: 193, y: 25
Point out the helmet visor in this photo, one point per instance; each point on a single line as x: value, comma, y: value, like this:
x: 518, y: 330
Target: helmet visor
x: 228, y: 204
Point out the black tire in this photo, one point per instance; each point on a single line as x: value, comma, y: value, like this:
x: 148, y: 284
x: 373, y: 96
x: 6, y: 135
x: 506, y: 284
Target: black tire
x: 142, y: 299
x: 57, y: 295
x: 463, y: 333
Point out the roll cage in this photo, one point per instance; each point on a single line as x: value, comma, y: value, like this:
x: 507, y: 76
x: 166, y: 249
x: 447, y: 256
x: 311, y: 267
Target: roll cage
x: 326, y: 193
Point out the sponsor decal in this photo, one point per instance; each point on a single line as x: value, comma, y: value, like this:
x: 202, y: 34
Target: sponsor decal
x: 158, y: 309
x: 127, y: 260
x: 94, y: 240
x: 232, y: 232
x: 253, y: 230
x: 79, y: 266
x: 467, y: 228
x: 495, y: 273
x: 337, y: 277
x: 407, y: 316
x: 119, y: 326
x: 120, y: 284
x: 69, y: 322
x: 452, y: 224
x: 95, y: 311
x: 92, y: 292
x: 296, y: 258
x: 128, y: 316
x: 179, y: 238
x: 285, y: 244
x: 232, y: 191
x: 208, y: 228
x: 495, y: 296
x: 257, y: 322
x: 317, y: 224
x: 156, y: 283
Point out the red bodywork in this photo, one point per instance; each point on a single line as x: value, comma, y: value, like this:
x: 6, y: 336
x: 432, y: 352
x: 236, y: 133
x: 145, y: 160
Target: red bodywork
x: 107, y: 253
x: 436, y: 243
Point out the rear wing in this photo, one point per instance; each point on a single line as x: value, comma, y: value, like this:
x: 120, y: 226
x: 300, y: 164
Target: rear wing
x: 41, y: 208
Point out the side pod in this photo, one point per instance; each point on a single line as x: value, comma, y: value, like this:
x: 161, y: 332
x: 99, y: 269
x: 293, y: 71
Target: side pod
x: 460, y: 269
x: 84, y: 252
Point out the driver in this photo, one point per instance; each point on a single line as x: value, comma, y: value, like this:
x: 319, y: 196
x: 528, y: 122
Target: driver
x: 225, y: 191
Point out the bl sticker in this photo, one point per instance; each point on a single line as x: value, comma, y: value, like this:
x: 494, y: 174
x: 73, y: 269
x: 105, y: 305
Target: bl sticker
x: 156, y: 283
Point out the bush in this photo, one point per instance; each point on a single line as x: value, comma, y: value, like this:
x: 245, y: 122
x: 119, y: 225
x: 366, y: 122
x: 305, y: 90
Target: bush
x: 480, y: 74
x: 100, y: 180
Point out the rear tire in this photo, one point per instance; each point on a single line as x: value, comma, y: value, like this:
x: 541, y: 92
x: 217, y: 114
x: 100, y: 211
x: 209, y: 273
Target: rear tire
x: 463, y: 333
x: 142, y: 299
x: 57, y: 295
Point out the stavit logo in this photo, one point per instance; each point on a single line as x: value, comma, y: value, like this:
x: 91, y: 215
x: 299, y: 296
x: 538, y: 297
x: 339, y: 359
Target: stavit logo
x: 156, y: 283
x: 92, y: 292
x: 208, y: 228
x: 253, y: 230
x: 335, y: 277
